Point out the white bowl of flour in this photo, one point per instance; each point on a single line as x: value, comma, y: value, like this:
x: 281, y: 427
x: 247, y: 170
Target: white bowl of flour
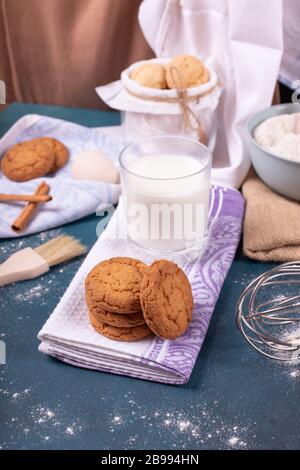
x: 273, y: 136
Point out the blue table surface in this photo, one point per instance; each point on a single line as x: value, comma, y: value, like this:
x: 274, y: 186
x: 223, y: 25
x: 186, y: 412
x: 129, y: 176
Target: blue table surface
x: 235, y: 399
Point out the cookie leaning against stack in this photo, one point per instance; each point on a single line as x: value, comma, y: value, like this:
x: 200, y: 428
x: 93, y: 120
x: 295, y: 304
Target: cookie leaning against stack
x: 34, y: 158
x: 128, y: 300
x: 166, y: 299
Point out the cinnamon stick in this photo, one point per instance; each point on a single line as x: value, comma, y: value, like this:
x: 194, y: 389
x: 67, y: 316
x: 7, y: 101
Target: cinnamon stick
x: 24, y: 197
x: 27, y: 213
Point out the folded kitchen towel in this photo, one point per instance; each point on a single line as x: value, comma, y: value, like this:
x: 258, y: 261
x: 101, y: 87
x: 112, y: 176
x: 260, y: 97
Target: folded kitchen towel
x: 68, y: 336
x: 271, y: 225
x: 72, y: 198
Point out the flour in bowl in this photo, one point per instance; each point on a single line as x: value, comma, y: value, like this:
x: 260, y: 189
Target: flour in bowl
x: 288, y: 147
x: 281, y: 135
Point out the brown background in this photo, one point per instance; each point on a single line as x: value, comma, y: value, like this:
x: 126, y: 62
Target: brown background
x: 58, y: 51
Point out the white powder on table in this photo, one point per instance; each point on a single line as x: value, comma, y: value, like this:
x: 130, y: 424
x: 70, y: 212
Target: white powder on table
x: 280, y: 135
x: 293, y: 337
x: 199, y: 424
x: 290, y: 368
x: 29, y: 294
x: 233, y: 441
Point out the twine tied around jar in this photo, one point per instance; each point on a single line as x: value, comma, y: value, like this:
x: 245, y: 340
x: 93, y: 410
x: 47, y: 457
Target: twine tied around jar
x: 187, y: 112
x: 182, y: 99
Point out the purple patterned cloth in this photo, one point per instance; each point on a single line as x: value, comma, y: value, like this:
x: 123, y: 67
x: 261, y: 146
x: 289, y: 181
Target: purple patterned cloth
x: 68, y: 336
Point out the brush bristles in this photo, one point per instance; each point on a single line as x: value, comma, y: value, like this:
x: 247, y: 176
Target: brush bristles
x: 60, y: 249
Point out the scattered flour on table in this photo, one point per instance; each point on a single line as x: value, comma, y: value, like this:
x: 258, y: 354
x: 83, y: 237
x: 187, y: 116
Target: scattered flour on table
x: 291, y: 368
x: 27, y: 295
x: 243, y: 279
x: 15, y: 244
x: 199, y: 425
x: 293, y: 338
x: 233, y: 441
x: 54, y: 419
x: 117, y: 419
x: 20, y: 394
x: 44, y: 422
x: 10, y: 247
x: 45, y: 236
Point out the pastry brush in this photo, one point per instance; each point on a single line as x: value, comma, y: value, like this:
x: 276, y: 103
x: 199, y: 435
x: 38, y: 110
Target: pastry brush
x: 33, y: 262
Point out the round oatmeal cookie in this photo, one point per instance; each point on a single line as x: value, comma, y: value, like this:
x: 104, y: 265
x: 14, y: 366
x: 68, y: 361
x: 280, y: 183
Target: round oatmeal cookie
x: 167, y: 300
x: 114, y: 285
x: 60, y: 151
x: 118, y: 320
x: 150, y: 75
x: 186, y: 71
x: 27, y: 160
x: 134, y: 333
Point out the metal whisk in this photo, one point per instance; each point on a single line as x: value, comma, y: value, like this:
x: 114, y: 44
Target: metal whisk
x: 268, y: 312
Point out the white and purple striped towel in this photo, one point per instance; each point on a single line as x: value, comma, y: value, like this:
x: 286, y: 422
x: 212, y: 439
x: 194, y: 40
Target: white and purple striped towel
x: 68, y: 336
x: 72, y: 198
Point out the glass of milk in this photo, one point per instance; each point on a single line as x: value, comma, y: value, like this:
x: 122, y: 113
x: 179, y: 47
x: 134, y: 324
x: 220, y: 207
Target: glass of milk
x: 165, y: 194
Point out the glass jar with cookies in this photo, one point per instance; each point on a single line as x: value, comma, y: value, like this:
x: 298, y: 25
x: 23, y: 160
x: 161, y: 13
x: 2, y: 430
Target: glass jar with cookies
x: 176, y: 96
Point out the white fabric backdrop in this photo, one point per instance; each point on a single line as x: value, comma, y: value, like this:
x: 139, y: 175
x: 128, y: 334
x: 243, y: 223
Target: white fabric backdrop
x: 290, y: 65
x: 245, y: 40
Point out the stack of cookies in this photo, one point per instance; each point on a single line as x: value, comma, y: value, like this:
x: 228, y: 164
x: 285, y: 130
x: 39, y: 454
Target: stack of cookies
x: 128, y: 300
x: 113, y: 299
x: 34, y: 158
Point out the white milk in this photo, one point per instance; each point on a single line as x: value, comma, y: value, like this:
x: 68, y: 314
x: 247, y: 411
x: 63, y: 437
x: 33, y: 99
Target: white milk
x: 167, y: 201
